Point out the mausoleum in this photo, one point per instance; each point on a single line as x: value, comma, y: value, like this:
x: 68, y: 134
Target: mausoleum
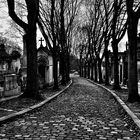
x: 45, y: 66
x: 8, y: 77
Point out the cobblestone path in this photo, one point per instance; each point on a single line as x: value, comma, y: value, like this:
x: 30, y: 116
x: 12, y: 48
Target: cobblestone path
x: 83, y: 112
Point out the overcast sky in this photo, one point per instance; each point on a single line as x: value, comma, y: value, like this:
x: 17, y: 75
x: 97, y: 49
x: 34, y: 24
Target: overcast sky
x: 3, y: 18
x: 4, y: 27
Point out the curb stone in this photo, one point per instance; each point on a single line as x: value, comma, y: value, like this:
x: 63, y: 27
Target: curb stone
x: 9, y: 98
x: 131, y: 115
x: 16, y: 114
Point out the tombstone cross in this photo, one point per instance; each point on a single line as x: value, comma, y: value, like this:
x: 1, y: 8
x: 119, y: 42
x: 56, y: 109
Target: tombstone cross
x: 41, y: 40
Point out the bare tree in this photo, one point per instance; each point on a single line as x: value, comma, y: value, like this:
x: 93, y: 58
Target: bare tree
x: 119, y: 26
x: 30, y: 38
x: 133, y: 18
x: 59, y: 29
x: 71, y: 13
x: 107, y: 6
x: 96, y: 35
x: 80, y: 47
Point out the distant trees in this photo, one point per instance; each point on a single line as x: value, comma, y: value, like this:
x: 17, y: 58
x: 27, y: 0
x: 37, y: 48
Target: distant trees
x: 56, y: 24
x: 106, y: 22
x: 74, y: 63
x: 80, y: 47
x: 97, y: 30
x: 107, y: 6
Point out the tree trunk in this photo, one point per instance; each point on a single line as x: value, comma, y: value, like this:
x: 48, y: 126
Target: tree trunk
x: 116, y: 65
x: 95, y: 69
x: 89, y: 69
x: 80, y: 67
x: 82, y: 70
x: 106, y: 66
x: 67, y: 66
x: 100, y: 71
x: 63, y: 42
x: 85, y: 70
x: 132, y: 61
x: 92, y: 68
x: 55, y: 72
x: 115, y: 45
x: 32, y: 80
x: 62, y: 62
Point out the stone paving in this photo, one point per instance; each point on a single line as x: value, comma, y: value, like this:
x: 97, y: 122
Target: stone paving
x: 83, y: 112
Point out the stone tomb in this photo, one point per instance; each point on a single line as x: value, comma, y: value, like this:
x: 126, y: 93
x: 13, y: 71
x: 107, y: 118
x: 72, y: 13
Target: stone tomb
x: 45, y: 66
x: 8, y: 78
x: 8, y: 85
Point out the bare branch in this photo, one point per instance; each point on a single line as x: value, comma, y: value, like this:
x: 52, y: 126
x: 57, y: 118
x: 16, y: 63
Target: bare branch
x: 11, y: 8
